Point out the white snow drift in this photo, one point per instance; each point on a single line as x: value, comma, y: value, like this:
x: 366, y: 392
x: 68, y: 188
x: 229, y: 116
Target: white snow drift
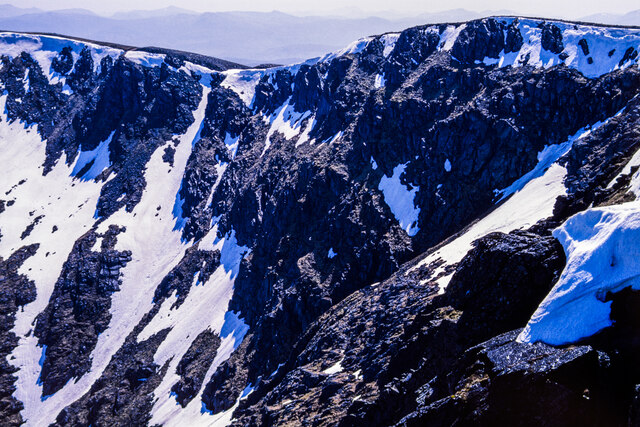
x: 602, y: 247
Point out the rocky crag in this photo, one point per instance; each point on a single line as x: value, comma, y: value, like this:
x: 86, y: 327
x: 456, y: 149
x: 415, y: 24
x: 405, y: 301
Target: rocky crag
x: 377, y: 236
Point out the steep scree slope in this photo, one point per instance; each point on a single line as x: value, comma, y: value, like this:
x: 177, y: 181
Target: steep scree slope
x: 355, y: 239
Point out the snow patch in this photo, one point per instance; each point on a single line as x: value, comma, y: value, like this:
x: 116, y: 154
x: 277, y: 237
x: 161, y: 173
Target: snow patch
x: 389, y: 42
x: 549, y: 155
x: 601, y: 42
x: 97, y: 245
x: 205, y: 308
x: 232, y: 144
x: 602, y: 247
x: 400, y: 198
x: 532, y: 198
x: 633, y: 162
x: 352, y: 49
x: 380, y: 81
x: 98, y: 158
x: 195, y: 413
x: 62, y: 202
x: 284, y: 120
x: 243, y: 83
x: 304, y: 136
x: 44, y: 48
x: 145, y: 59
x: 534, y: 202
x: 449, y: 36
x: 374, y: 165
x: 335, y: 138
x: 334, y: 369
x: 156, y: 249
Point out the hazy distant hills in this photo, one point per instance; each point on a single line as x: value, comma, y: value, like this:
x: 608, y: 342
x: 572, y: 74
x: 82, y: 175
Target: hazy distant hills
x: 144, y: 14
x: 631, y: 18
x: 7, y: 10
x: 246, y: 37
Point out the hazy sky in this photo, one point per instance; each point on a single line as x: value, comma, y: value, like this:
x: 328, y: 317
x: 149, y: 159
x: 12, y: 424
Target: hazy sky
x: 558, y: 8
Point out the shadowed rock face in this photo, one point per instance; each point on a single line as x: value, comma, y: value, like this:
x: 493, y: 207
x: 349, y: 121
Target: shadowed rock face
x: 393, y: 337
x: 482, y: 39
x: 344, y: 328
x: 491, y: 122
x: 551, y: 38
x: 124, y: 394
x: 16, y: 291
x: 194, y: 366
x: 493, y: 383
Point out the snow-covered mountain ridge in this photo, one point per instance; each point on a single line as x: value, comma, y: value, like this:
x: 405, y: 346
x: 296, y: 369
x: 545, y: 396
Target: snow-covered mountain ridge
x: 355, y: 239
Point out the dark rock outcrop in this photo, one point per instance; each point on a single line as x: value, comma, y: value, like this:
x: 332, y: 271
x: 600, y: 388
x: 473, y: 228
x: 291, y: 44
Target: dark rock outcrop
x: 502, y: 382
x: 180, y: 279
x: 513, y: 39
x: 194, y: 365
x: 483, y: 38
x: 490, y: 123
x: 584, y: 45
x: 342, y: 329
x: 552, y: 39
x: 123, y: 395
x: 78, y: 310
x: 492, y: 384
x: 387, y: 355
x: 63, y: 62
x: 16, y: 290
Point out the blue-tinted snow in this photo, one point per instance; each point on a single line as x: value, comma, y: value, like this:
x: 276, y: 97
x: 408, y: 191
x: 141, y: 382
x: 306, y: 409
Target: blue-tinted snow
x: 354, y: 48
x: 389, y: 42
x: 399, y: 198
x: 243, y: 83
x: 44, y: 48
x: 232, y: 144
x: 247, y: 391
x: 100, y: 158
x: 286, y: 121
x: 235, y: 327
x: 374, y: 165
x: 145, y: 59
x: 602, y: 247
x: 231, y: 254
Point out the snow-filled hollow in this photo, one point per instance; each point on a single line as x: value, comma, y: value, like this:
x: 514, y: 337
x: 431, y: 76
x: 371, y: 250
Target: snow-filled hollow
x: 400, y: 200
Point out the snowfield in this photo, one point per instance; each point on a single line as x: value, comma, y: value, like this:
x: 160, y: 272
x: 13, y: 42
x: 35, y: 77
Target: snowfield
x: 399, y: 198
x: 152, y: 236
x: 602, y: 247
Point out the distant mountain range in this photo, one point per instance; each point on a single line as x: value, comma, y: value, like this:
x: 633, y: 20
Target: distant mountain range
x: 245, y: 37
x: 631, y: 18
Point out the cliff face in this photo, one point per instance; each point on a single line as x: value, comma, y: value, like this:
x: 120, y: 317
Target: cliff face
x: 355, y: 239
